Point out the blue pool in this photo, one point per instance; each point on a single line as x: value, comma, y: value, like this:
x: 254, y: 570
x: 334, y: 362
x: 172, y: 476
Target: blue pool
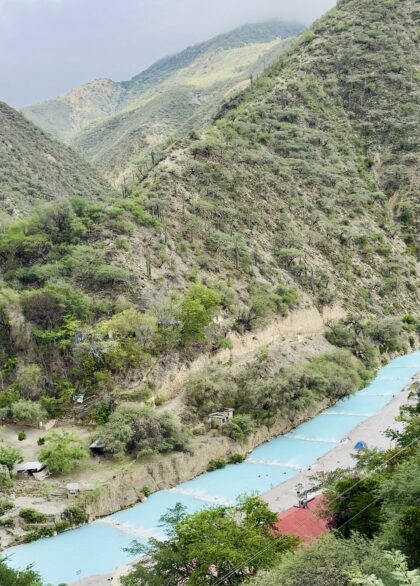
x: 99, y: 548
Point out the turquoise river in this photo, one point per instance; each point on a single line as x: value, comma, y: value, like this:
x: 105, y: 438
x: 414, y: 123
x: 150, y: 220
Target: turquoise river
x: 98, y: 548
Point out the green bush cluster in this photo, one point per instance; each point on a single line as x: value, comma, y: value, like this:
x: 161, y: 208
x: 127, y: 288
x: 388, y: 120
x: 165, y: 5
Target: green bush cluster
x: 369, y: 339
x: 75, y: 515
x: 5, y: 506
x: 61, y: 452
x: 139, y: 430
x: 32, y: 516
x: 216, y: 465
x: 258, y: 393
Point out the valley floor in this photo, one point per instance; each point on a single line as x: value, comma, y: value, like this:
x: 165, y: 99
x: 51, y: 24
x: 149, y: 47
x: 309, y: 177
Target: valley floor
x: 283, y: 496
x: 289, y: 340
x: 371, y: 431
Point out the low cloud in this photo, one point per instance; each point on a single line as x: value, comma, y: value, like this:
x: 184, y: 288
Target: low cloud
x: 48, y: 46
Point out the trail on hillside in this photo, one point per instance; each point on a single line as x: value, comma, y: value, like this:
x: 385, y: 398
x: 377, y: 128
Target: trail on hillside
x: 298, y: 325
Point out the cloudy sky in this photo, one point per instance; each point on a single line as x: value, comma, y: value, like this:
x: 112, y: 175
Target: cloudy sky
x: 49, y: 46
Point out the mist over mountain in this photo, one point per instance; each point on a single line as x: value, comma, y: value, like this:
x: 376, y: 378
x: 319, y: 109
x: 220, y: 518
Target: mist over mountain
x: 113, y: 124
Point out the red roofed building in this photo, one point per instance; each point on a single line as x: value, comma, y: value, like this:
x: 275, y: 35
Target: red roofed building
x: 303, y: 522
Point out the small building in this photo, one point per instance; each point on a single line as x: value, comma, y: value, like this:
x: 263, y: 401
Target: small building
x: 79, y: 399
x: 36, y: 470
x: 303, y: 521
x: 73, y: 489
x: 219, y: 418
x: 97, y: 448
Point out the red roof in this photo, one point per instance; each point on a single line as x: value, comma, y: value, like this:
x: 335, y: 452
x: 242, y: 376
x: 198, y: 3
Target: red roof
x: 303, y: 523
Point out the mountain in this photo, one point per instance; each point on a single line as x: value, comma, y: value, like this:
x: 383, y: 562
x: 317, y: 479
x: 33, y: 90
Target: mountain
x: 34, y: 168
x: 113, y: 123
x: 67, y: 115
x: 267, y: 263
x: 313, y: 171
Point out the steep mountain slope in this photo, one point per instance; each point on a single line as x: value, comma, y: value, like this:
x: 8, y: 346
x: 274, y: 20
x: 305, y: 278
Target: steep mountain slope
x: 34, y: 168
x: 67, y: 115
x: 304, y: 172
x: 174, y: 95
x: 287, y: 200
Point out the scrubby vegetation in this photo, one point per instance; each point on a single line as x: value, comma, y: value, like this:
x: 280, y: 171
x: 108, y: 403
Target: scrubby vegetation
x: 260, y: 392
x: 9, y: 456
x: 140, y: 430
x: 285, y: 201
x: 300, y: 194
x: 61, y: 452
x: 35, y: 168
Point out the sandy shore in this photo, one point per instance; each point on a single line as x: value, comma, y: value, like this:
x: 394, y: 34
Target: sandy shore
x: 371, y: 431
x: 284, y: 496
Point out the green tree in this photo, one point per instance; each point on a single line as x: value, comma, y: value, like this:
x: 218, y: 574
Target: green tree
x: 10, y: 456
x: 402, y: 575
x: 139, y: 429
x: 62, y: 451
x: 28, y: 412
x: 329, y: 561
x: 400, y: 491
x: 198, y: 308
x: 9, y: 577
x: 210, y: 545
x: 353, y: 505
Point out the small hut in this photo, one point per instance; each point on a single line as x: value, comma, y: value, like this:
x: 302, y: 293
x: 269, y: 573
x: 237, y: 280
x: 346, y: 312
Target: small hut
x: 36, y: 470
x: 219, y: 418
x: 97, y: 448
x: 73, y: 489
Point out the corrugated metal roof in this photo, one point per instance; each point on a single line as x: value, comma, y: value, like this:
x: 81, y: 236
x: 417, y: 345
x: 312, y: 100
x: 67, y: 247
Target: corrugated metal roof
x: 30, y: 467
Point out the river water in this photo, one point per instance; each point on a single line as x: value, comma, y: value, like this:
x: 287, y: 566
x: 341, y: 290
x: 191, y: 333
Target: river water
x: 98, y: 548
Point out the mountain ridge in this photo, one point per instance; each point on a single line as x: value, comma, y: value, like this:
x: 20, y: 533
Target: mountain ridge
x: 110, y: 122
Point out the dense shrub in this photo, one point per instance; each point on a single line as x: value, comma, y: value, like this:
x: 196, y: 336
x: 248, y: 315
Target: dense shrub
x: 5, y: 506
x: 140, y: 430
x: 10, y: 456
x: 61, y: 452
x: 43, y: 309
x: 28, y: 412
x: 239, y: 427
x: 198, y: 308
x: 32, y: 516
x: 211, y: 390
x: 39, y: 533
x: 75, y: 515
x: 216, y: 465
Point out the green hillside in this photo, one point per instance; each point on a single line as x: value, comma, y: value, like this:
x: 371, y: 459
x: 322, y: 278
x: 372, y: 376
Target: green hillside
x: 113, y: 124
x: 35, y: 169
x: 299, y: 195
x: 65, y: 116
x: 248, y: 34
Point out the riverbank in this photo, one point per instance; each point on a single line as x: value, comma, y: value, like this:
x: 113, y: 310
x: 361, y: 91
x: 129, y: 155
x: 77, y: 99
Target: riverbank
x: 111, y: 485
x: 284, y: 496
x: 372, y: 431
